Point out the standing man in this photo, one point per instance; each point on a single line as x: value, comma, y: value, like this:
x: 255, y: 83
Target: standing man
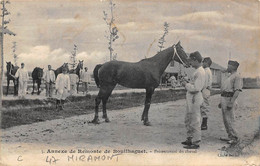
x: 22, y: 75
x: 230, y: 89
x: 85, y: 77
x: 62, y: 87
x: 206, y: 92
x: 194, y: 100
x: 49, y: 78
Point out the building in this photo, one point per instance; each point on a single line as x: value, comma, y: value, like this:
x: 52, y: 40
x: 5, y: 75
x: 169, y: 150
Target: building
x: 176, y: 69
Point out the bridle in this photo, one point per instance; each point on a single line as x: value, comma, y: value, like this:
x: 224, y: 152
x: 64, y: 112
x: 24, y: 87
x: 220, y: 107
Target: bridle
x: 176, y: 53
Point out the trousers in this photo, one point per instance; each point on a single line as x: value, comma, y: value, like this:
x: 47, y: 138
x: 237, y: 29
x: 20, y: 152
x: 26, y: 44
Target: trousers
x: 193, y: 116
x: 205, y: 105
x: 22, y: 88
x: 228, y: 117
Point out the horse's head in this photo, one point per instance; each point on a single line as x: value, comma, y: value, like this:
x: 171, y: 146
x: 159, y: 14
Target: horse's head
x: 40, y: 72
x: 8, y: 66
x: 80, y: 64
x: 180, y: 55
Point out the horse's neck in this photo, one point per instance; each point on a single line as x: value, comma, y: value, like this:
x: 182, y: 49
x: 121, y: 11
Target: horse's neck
x: 162, y: 59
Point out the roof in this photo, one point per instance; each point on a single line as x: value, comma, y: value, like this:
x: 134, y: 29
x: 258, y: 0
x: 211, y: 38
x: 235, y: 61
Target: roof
x: 216, y: 66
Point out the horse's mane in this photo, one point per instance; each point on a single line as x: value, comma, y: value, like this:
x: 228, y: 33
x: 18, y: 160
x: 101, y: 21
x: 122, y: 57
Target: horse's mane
x: 157, y: 56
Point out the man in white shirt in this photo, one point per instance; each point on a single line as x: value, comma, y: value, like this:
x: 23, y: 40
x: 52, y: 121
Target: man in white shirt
x: 49, y: 78
x: 206, y: 92
x: 62, y: 87
x: 22, y: 75
x: 85, y: 77
x: 194, y: 100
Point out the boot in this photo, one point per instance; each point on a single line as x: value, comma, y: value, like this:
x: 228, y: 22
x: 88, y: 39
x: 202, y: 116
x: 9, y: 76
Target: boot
x: 57, y: 103
x: 204, y: 125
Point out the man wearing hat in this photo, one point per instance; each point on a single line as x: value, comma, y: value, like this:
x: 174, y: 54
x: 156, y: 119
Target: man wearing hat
x: 194, y: 101
x: 230, y: 89
x: 206, y: 63
x: 22, y: 75
x: 85, y: 80
x: 62, y: 87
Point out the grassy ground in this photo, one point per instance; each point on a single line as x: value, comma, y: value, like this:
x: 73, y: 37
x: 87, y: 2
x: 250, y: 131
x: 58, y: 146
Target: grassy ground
x: 19, y: 112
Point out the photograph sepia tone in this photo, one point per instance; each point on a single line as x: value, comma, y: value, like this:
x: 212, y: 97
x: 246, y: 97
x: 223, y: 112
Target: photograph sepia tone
x: 130, y: 82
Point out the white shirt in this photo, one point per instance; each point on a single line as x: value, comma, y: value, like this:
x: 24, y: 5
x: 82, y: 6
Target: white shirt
x: 197, y: 81
x: 22, y: 74
x: 208, y: 77
x: 49, y: 76
x: 63, y: 81
x: 85, y: 77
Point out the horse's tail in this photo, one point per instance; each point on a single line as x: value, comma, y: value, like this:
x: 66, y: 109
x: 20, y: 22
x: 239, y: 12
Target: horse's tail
x: 95, y: 73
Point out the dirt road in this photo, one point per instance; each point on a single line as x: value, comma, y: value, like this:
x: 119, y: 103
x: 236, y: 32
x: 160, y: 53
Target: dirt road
x: 156, y: 145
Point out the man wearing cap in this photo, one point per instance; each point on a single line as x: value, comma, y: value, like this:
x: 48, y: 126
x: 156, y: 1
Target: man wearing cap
x: 206, y: 92
x: 49, y: 78
x: 194, y: 101
x: 230, y: 89
x: 62, y: 87
x: 22, y: 75
x: 85, y: 80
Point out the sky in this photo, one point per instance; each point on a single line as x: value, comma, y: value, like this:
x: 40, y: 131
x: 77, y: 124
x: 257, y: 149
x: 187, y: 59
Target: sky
x: 47, y: 30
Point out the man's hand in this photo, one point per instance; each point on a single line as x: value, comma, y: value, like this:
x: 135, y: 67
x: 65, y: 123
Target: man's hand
x: 219, y: 105
x: 230, y: 105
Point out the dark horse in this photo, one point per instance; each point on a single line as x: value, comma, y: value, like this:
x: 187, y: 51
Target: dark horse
x: 37, y: 77
x: 144, y: 74
x: 78, y: 68
x: 59, y: 70
x: 11, y: 70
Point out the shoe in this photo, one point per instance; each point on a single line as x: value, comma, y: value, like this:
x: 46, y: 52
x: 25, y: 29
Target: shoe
x: 204, y: 125
x: 192, y: 146
x: 232, y: 142
x: 187, y: 142
x: 224, y: 139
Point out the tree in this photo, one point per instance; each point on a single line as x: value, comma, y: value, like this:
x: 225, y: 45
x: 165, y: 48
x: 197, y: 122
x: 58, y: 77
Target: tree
x: 161, y: 46
x: 111, y: 35
x: 4, y: 31
x: 162, y: 39
x: 73, y: 57
x: 14, y: 54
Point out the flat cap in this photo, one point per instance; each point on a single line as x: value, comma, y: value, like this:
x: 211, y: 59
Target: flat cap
x: 233, y: 63
x: 196, y: 56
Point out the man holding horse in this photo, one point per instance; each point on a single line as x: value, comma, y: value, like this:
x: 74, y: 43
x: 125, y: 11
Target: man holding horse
x: 194, y: 101
x: 23, y: 76
x: 49, y: 78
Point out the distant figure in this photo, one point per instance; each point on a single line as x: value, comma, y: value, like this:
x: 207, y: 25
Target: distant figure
x: 206, y: 63
x: 230, y: 89
x: 173, y: 81
x: 85, y: 77
x: 74, y: 79
x: 62, y: 87
x: 49, y: 78
x: 22, y: 75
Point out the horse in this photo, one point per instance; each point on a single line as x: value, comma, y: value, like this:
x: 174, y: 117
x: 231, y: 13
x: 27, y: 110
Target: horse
x: 59, y: 70
x: 11, y: 70
x: 145, y: 74
x: 37, y: 77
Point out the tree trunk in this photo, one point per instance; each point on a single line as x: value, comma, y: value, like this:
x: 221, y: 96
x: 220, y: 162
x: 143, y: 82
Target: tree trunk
x: 1, y: 74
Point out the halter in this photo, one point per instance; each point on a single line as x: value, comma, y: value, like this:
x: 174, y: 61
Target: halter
x: 176, y: 53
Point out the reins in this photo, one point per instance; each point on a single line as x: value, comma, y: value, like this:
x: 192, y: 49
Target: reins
x: 176, y: 53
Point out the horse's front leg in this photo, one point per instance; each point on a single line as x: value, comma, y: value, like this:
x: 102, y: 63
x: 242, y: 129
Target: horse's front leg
x: 8, y: 81
x: 149, y: 93
x: 33, y: 88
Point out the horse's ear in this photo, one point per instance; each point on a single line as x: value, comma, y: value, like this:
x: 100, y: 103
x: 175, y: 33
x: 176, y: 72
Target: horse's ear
x: 179, y: 42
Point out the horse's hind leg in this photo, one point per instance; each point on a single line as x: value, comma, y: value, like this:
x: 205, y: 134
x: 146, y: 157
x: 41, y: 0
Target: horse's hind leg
x: 8, y: 81
x: 109, y: 90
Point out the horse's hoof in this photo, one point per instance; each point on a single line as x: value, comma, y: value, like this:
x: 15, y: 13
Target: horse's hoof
x: 147, y: 123
x: 107, y: 120
x: 94, y: 121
